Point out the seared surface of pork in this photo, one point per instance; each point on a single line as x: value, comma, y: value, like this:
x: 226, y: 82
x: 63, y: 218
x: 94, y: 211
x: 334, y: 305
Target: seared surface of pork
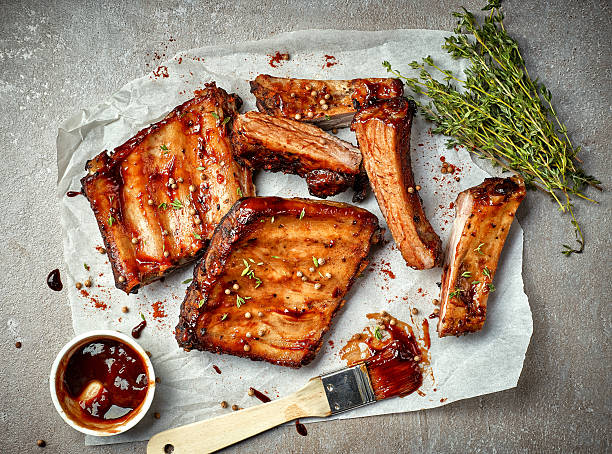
x: 484, y: 216
x: 274, y: 276
x: 158, y: 197
x: 330, y: 165
x: 383, y: 132
x: 327, y: 103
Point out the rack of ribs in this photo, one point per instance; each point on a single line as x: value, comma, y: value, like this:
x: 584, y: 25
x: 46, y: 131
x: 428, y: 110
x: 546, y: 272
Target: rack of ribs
x: 328, y: 164
x: 326, y: 103
x: 273, y: 277
x: 158, y: 197
x: 484, y: 216
x: 383, y: 133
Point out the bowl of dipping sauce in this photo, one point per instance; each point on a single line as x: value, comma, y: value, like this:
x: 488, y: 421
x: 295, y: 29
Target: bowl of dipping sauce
x: 102, y: 383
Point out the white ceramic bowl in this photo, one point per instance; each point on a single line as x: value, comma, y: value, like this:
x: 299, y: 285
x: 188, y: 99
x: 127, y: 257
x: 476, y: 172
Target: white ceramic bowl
x: 105, y: 429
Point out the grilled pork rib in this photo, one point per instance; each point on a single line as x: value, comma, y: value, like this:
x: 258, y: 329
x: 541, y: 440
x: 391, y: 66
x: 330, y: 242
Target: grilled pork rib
x: 383, y: 133
x: 327, y: 103
x: 328, y: 164
x: 274, y: 276
x: 484, y: 216
x: 158, y: 197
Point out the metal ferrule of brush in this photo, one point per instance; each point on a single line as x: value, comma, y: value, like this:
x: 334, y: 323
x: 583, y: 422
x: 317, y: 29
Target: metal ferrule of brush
x: 348, y: 388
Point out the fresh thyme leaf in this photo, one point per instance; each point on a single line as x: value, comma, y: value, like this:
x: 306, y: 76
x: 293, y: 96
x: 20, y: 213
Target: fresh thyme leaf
x: 275, y: 256
x: 201, y: 303
x: 251, y: 260
x: 498, y: 112
x: 272, y: 220
x: 164, y: 147
x: 466, y: 274
x: 239, y: 192
x: 456, y: 293
x: 377, y: 334
x: 110, y: 220
x: 225, y: 120
x: 475, y: 282
x: 260, y: 263
x: 187, y: 281
x: 223, y: 317
x: 320, y: 274
x: 142, y: 316
x: 215, y: 115
x: 302, y: 213
x: 239, y: 301
x: 163, y: 206
x: 196, y: 236
x: 176, y: 204
x: 86, y: 266
x: 200, y: 168
x: 315, y: 261
x: 491, y: 288
x: 486, y: 272
x: 327, y: 117
x: 478, y: 249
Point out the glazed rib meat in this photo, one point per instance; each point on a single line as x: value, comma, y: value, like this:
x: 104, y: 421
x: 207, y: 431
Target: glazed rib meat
x: 328, y: 164
x: 158, y: 197
x: 327, y: 103
x: 274, y: 276
x: 383, y: 132
x: 484, y: 216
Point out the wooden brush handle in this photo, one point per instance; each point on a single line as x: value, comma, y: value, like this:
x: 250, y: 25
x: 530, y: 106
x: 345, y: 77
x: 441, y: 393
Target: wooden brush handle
x: 223, y: 431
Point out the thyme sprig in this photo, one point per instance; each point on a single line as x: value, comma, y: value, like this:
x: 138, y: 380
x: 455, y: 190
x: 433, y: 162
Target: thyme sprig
x: 499, y: 113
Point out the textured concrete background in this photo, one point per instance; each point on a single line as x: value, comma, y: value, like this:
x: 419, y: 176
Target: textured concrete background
x: 58, y: 56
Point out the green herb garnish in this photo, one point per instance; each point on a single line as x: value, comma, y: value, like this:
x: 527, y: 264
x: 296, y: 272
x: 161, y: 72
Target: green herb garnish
x: 225, y: 120
x: 86, y: 266
x: 302, y: 213
x: 201, y: 303
x: 187, y: 281
x: 466, y: 274
x: 164, y: 147
x: 239, y: 192
x: 215, y: 115
x: 498, y: 112
x: 478, y: 249
x: 377, y: 334
x: 491, y: 288
x: 110, y: 220
x: 486, y: 272
x: 163, y: 206
x: 223, y: 317
x: 196, y: 236
x: 176, y: 204
x: 142, y: 316
x: 315, y: 261
x: 200, y: 168
x: 275, y: 256
x: 456, y: 293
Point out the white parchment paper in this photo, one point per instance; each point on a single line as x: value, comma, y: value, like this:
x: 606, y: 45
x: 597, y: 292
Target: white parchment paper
x: 190, y: 389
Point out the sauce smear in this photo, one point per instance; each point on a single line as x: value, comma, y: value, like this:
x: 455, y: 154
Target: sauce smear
x: 426, y: 338
x: 107, y: 378
x: 216, y: 368
x: 54, y: 280
x: 301, y: 428
x: 73, y: 193
x: 137, y: 330
x: 261, y: 396
x: 393, y: 361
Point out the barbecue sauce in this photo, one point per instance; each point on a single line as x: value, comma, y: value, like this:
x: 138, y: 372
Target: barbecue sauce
x: 73, y: 193
x: 54, y: 280
x: 107, y: 379
x: 301, y: 428
x: 393, y: 362
x: 261, y: 396
x: 137, y: 330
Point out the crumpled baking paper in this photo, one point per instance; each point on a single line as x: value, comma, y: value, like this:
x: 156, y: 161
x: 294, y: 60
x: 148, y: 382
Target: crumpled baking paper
x: 190, y: 389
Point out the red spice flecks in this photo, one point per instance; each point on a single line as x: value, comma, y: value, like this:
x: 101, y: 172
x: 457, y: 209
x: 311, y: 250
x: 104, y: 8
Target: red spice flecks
x: 100, y: 249
x: 277, y: 58
x: 385, y: 268
x: 451, y: 205
x: 161, y: 71
x: 420, y: 290
x: 216, y: 368
x: 180, y: 60
x: 330, y: 61
x: 158, y: 310
x: 94, y: 301
x: 331, y: 343
x: 443, y: 400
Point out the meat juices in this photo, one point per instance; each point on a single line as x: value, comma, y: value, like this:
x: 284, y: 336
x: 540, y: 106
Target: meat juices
x: 484, y: 216
x: 329, y: 165
x: 275, y: 274
x: 326, y: 103
x: 383, y: 132
x: 158, y: 197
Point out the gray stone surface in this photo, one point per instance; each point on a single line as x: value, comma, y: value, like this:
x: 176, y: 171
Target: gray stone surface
x: 58, y: 56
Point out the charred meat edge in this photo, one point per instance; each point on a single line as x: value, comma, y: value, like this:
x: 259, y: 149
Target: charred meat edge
x: 484, y: 216
x: 238, y: 222
x: 388, y: 124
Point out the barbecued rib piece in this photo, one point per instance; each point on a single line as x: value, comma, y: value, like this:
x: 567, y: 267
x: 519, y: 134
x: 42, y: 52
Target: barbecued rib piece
x: 383, y: 134
x: 158, y: 197
x: 274, y: 276
x: 328, y: 164
x: 327, y: 103
x: 484, y: 216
